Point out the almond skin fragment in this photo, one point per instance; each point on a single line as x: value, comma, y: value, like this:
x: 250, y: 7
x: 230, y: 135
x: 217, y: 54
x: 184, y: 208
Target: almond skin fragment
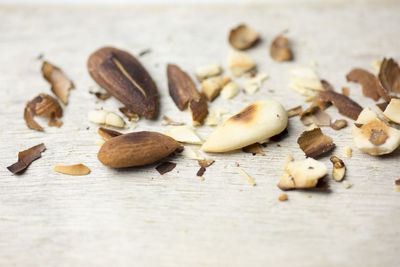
x: 242, y: 37
x: 107, y: 133
x: 122, y: 75
x: 26, y: 157
x: 165, y: 167
x: 77, y: 169
x: 60, y: 85
x: 344, y: 104
x: 44, y: 106
x: 370, y: 84
x: 392, y: 111
x: 315, y: 143
x: 136, y: 149
x: 389, y: 75
x: 339, y: 169
x: 280, y: 49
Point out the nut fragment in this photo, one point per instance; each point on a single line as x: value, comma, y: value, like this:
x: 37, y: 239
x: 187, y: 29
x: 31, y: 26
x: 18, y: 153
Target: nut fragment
x: 344, y: 104
x: 215, y: 117
x: 165, y: 167
x: 294, y: 111
x: 201, y: 171
x: 205, y: 162
x: 248, y: 178
x: 389, y: 75
x: 315, y: 114
x: 254, y: 149
x: 230, y: 90
x: 101, y: 96
x: 346, y: 152
x: 26, y: 157
x: 100, y: 116
x: 45, y: 106
x: 129, y: 114
x: 77, y: 169
x: 255, y: 123
x: 240, y: 63
x: 198, y: 109
x: 339, y: 124
x: 107, y: 133
x: 280, y: 49
x: 373, y: 136
x: 392, y: 111
x: 122, y: 75
x: 305, y: 81
x: 207, y: 71
x: 213, y: 86
x: 339, y: 169
x: 193, y: 154
x: 136, y: 149
x: 347, y: 185
x: 184, y: 134
x: 60, y: 85
x: 242, y: 37
x: 283, y: 197
x: 315, y: 143
x: 370, y: 84
x: 167, y: 121
x: 302, y: 174
x: 253, y: 84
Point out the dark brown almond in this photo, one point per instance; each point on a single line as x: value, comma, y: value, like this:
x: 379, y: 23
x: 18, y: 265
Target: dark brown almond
x: 370, y: 84
x: 199, y: 109
x: 315, y: 143
x: 344, y: 104
x: 107, y: 133
x: 26, y: 157
x: 60, y: 85
x: 339, y: 124
x: 280, y: 49
x: 181, y: 87
x: 165, y: 167
x: 389, y: 75
x: 122, y: 75
x: 136, y: 149
x: 254, y: 149
x: 44, y: 106
x: 242, y: 37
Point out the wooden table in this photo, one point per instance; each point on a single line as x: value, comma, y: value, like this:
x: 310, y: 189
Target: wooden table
x: 137, y: 217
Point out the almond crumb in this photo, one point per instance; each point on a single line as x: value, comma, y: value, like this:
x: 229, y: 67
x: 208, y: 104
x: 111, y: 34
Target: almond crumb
x: 347, y: 185
x: 283, y: 197
x: 248, y: 178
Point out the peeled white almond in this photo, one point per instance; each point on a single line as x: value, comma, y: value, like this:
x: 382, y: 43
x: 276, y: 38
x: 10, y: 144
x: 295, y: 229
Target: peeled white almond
x: 240, y: 63
x: 184, y: 134
x: 392, y: 111
x: 305, y: 81
x: 373, y: 136
x: 255, y: 123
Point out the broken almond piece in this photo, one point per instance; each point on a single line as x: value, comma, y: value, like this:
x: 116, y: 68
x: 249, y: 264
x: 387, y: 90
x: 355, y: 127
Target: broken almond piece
x: 205, y: 72
x: 198, y: 109
x: 339, y: 124
x: 345, y: 91
x: 344, y: 104
x: 205, y: 162
x: 370, y: 84
x: 392, y: 111
x: 389, y: 75
x: 248, y: 178
x: 382, y: 106
x: 230, y: 90
x: 302, y: 174
x: 184, y: 134
x: 315, y: 143
x: 129, y: 114
x: 77, y: 169
x: 240, y: 63
x: 373, y: 136
x: 339, y: 169
x: 100, y: 116
x: 305, y: 81
x: 242, y: 37
x: 280, y: 49
x: 294, y: 111
x: 26, y: 157
x: 107, y: 133
x: 346, y: 152
x: 283, y: 197
x: 254, y: 84
x: 254, y: 149
x: 315, y: 114
x: 44, y: 106
x: 60, y: 85
x: 165, y: 167
x: 215, y: 117
x: 167, y: 121
x: 193, y: 154
x: 213, y: 86
x: 255, y: 123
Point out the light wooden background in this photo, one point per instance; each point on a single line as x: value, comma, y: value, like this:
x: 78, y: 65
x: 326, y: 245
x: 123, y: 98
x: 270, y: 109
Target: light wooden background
x: 136, y: 217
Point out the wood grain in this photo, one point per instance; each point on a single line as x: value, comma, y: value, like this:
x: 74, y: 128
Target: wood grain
x: 136, y: 217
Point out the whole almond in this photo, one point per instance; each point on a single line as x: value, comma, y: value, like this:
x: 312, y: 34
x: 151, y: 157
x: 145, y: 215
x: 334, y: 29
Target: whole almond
x: 122, y: 75
x: 136, y: 149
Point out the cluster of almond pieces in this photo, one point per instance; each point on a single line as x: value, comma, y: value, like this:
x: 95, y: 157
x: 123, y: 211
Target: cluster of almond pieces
x: 123, y: 77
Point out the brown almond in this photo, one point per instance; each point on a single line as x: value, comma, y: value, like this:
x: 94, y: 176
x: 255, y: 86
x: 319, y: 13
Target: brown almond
x: 60, y: 85
x: 242, y: 37
x: 136, y: 149
x: 280, y: 49
x: 389, y: 75
x: 122, y: 75
x: 370, y: 84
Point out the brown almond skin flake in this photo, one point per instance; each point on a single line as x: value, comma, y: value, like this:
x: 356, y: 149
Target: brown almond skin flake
x: 242, y: 37
x: 45, y: 106
x: 389, y: 75
x: 315, y: 143
x: 60, y: 85
x: 165, y: 167
x: 201, y: 171
x: 26, y: 157
x: 344, y: 104
x: 280, y: 49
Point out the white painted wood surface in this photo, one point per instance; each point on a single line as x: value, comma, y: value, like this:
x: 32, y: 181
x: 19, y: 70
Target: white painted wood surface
x: 137, y: 217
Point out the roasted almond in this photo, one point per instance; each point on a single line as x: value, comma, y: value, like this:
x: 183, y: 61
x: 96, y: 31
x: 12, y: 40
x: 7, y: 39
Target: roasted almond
x: 136, y: 149
x: 122, y: 75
